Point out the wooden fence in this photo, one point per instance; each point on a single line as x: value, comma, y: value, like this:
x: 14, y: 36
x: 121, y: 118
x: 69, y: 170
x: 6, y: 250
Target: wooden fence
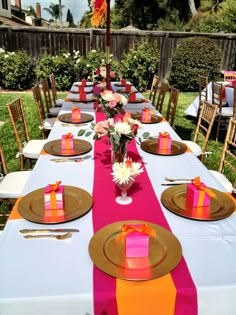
x: 37, y: 40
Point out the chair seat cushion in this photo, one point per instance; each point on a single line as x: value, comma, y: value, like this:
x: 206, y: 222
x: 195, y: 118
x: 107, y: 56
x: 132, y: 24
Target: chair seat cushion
x: 12, y: 185
x: 54, y: 111
x: 223, y: 180
x: 48, y: 123
x: 194, y: 147
x: 227, y: 111
x: 59, y: 102
x: 33, y: 148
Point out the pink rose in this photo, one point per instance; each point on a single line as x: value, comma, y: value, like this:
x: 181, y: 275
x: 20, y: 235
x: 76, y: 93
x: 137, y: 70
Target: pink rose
x: 112, y: 74
x: 135, y: 129
x: 112, y: 104
x: 99, y: 128
x: 127, y: 117
x: 117, y: 97
x: 118, y: 118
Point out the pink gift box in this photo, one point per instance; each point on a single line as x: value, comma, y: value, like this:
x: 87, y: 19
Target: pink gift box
x: 136, y: 244
x: 53, y: 199
x: 132, y: 97
x: 82, y: 96
x: 164, y: 142
x: 76, y: 115
x: 146, y: 115
x: 196, y: 197
x: 67, y: 142
x: 127, y: 87
x: 81, y: 89
x: 123, y: 82
x: 84, y: 82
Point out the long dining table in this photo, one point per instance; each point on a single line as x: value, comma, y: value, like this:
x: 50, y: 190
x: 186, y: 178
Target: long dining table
x: 47, y: 276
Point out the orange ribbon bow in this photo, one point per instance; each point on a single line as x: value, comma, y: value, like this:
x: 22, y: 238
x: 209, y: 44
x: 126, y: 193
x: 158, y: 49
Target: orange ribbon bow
x: 75, y: 109
x: 98, y: 13
x: 68, y: 135
x: 197, y: 182
x: 52, y: 187
x: 164, y: 134
x: 143, y: 228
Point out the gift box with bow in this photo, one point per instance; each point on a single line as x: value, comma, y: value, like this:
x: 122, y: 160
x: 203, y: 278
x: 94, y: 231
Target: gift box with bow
x: 67, y: 142
x: 146, y: 114
x: 127, y: 87
x: 53, y: 196
x: 136, y: 238
x: 76, y: 115
x: 164, y: 141
x: 132, y: 97
x: 123, y: 82
x: 198, y: 194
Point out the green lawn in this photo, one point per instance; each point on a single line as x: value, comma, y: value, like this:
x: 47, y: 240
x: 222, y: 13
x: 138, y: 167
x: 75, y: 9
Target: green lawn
x: 184, y: 126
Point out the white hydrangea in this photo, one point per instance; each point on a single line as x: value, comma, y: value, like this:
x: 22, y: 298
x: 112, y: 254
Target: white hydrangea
x: 122, y: 128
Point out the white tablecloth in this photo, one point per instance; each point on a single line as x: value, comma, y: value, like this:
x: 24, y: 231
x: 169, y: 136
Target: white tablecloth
x: 192, y: 109
x: 55, y: 277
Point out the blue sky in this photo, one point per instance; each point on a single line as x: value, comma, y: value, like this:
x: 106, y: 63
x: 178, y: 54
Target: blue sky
x: 77, y: 7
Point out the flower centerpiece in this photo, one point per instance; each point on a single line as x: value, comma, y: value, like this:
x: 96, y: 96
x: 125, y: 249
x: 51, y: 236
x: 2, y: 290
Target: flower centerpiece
x: 111, y: 103
x: 124, y: 174
x: 120, y: 130
x: 100, y: 75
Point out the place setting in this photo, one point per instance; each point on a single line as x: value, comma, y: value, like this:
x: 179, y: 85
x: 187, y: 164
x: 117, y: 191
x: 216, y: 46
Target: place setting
x: 75, y: 117
x: 192, y: 199
x: 135, y: 250
x: 55, y: 203
x: 67, y: 146
x: 163, y: 145
x: 147, y: 116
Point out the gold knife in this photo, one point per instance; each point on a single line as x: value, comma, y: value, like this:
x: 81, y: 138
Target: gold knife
x: 25, y: 231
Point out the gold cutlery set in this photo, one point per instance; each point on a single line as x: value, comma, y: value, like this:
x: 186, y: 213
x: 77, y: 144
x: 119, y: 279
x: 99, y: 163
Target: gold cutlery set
x: 42, y: 233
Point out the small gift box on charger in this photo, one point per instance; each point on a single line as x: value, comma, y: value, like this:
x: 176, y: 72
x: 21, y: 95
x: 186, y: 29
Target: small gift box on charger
x: 67, y: 142
x: 127, y: 87
x: 164, y: 142
x: 136, y: 239
x: 198, y: 194
x: 53, y: 196
x: 82, y: 96
x: 83, y: 82
x: 132, y: 97
x: 146, y: 114
x: 123, y: 82
x: 76, y: 114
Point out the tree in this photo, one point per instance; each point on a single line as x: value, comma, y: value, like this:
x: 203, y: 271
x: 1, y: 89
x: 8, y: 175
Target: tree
x: 54, y: 10
x: 69, y: 17
x: 31, y: 11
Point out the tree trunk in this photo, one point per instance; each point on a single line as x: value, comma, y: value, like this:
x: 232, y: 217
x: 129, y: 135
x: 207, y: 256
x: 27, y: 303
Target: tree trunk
x: 192, y: 7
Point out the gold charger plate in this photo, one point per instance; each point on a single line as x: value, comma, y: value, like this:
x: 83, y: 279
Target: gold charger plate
x: 77, y: 202
x: 80, y: 147
x: 88, y: 99
x: 87, y: 84
x: 150, y: 146
x: 221, y: 206
x: 124, y: 91
x: 68, y: 118
x: 121, y: 85
x: 154, y: 118
x: 165, y: 253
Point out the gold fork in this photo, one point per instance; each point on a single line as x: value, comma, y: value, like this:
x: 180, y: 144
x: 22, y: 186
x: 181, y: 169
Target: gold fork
x: 58, y: 237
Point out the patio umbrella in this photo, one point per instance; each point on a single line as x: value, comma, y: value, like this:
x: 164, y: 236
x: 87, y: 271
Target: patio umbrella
x: 100, y: 14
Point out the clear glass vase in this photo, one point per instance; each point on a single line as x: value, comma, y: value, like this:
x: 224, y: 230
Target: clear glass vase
x: 124, y: 199
x: 118, y: 153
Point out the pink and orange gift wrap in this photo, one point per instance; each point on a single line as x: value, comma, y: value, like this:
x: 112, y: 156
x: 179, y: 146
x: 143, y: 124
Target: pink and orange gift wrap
x: 136, y: 239
x: 83, y: 82
x: 82, y: 96
x: 67, y: 142
x: 164, y: 142
x: 132, y: 97
x: 127, y: 87
x: 198, y: 194
x: 54, y: 203
x: 76, y: 114
x: 146, y: 114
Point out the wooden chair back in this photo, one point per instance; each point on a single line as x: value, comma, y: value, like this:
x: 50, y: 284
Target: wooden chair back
x: 204, y: 126
x: 229, y: 75
x: 217, y: 97
x: 154, y: 87
x: 172, y: 105
x: 40, y: 108
x: 17, y: 118
x: 3, y: 166
x: 202, y: 88
x: 47, y: 94
x: 228, y: 157
x: 53, y: 87
x: 161, y: 96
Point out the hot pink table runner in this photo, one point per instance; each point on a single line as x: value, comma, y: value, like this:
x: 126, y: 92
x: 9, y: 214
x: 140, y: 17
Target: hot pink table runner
x: 173, y: 294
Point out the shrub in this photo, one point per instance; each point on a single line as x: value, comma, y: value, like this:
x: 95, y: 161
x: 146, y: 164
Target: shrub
x: 92, y: 61
x: 140, y: 63
x: 206, y: 23
x: 17, y: 70
x: 194, y: 57
x: 63, y: 66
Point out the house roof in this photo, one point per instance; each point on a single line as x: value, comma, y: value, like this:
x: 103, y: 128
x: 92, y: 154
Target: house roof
x: 14, y: 21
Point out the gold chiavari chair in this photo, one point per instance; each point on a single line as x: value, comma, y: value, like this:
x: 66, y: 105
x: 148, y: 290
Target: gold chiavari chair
x: 172, y: 105
x: 154, y: 87
x: 51, y: 109
x: 161, y: 96
x: 57, y: 101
